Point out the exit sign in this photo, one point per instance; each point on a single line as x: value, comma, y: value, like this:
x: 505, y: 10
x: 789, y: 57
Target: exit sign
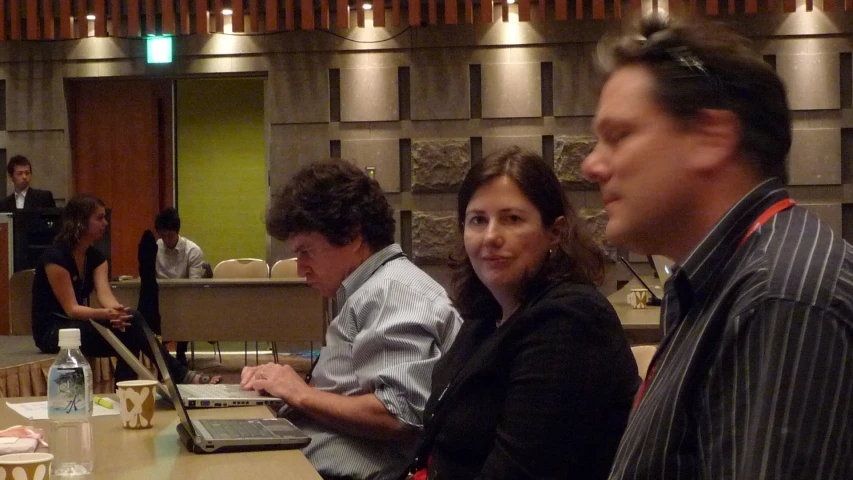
x: 159, y: 49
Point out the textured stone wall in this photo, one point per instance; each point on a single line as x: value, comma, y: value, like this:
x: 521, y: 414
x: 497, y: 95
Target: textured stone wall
x: 569, y: 152
x: 596, y: 222
x: 440, y: 164
x: 434, y: 234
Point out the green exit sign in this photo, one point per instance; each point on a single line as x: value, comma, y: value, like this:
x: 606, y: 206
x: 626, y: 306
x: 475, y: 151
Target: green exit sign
x: 159, y: 49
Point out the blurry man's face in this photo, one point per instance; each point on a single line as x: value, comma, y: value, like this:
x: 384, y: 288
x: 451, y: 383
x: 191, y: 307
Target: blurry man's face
x: 323, y: 264
x: 170, y: 238
x: 21, y: 177
x: 638, y: 162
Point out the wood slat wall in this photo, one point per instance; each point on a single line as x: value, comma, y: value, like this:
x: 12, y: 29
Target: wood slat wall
x: 37, y: 19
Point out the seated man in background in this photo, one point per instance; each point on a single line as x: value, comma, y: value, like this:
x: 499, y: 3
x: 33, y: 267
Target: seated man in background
x: 364, y: 407
x: 20, y: 171
x: 177, y: 257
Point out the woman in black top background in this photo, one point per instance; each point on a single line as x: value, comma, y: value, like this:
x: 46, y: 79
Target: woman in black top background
x: 67, y: 273
x: 540, y: 379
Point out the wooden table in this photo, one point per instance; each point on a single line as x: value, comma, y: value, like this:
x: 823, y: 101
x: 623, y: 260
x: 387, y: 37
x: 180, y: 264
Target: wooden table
x: 239, y: 309
x: 642, y: 325
x: 157, y: 453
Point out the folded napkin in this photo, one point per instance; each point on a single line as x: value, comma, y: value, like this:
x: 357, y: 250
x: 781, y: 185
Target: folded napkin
x: 20, y: 439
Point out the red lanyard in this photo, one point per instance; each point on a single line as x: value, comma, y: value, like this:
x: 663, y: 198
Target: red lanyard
x: 777, y: 207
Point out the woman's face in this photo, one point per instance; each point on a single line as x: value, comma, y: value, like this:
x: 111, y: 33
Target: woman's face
x: 97, y: 224
x: 505, y: 239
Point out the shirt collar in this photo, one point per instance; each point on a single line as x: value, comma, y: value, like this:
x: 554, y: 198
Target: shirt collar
x: 720, y: 244
x: 23, y: 192
x: 360, y: 275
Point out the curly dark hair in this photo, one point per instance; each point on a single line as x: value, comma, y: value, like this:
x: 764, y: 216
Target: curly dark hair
x: 698, y: 64
x: 18, y: 161
x: 336, y: 199
x: 578, y: 259
x: 75, y: 218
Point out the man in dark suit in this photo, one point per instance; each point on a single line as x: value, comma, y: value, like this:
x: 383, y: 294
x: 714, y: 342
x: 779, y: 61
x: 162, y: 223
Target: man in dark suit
x: 20, y: 170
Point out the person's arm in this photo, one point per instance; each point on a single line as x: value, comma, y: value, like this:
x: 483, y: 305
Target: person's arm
x: 363, y: 415
x: 60, y: 283
x: 195, y: 262
x: 567, y: 364
x: 50, y: 203
x: 777, y: 401
x: 395, y: 351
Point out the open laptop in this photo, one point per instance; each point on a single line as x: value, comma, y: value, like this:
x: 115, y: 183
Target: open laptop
x: 193, y: 396
x: 226, y: 435
x: 663, y: 265
x: 655, y: 300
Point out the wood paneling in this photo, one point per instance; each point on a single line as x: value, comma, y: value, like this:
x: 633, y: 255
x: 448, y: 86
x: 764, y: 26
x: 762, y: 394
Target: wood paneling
x: 359, y: 13
x: 15, y: 19
x: 598, y: 9
x: 81, y: 22
x: 150, y: 17
x: 120, y: 145
x: 33, y: 30
x: 486, y: 11
x: 415, y: 13
x: 342, y: 14
x: 201, y: 16
x: 65, y: 19
x: 100, y: 18
x: 395, y: 12
x: 307, y: 10
x: 432, y: 12
x: 451, y: 16
x: 47, y: 13
x: 379, y: 13
x: 561, y: 10
x: 289, y: 15
x: 133, y: 18
x: 254, y: 15
x: 218, y: 16
x: 168, y: 17
x: 3, y: 22
x: 523, y: 10
x: 325, y: 17
x: 238, y: 23
x: 184, y: 16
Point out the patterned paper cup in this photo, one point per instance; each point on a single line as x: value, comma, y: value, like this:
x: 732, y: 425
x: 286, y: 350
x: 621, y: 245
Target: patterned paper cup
x: 136, y: 403
x: 25, y: 466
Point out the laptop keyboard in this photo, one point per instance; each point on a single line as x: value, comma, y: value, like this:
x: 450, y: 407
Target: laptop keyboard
x: 215, y: 391
x: 236, y: 429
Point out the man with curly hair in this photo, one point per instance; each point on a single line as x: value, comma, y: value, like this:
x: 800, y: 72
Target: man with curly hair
x: 363, y: 406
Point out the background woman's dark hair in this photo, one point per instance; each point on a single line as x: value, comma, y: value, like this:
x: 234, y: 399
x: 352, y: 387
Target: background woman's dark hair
x: 578, y: 258
x: 698, y: 64
x: 75, y: 218
x: 337, y: 199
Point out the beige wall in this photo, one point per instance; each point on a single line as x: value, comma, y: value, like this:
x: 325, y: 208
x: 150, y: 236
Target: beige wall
x: 389, y: 104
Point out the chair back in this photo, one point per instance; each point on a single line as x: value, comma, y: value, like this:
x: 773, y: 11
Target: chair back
x: 242, y: 268
x: 643, y: 355
x: 285, y: 269
x: 21, y: 302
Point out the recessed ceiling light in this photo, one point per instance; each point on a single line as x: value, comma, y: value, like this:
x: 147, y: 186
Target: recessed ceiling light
x: 227, y: 11
x: 368, y: 6
x: 90, y: 17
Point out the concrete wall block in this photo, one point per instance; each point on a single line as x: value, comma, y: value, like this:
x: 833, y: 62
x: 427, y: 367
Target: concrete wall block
x: 369, y: 95
x: 512, y: 90
x: 299, y: 96
x: 381, y: 154
x: 439, y: 165
x: 815, y: 157
x: 434, y: 234
x: 569, y: 153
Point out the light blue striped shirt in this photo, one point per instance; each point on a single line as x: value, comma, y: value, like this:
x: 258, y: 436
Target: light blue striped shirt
x: 395, y: 322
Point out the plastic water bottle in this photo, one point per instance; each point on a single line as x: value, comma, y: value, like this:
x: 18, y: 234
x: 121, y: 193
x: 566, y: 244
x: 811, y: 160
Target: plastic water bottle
x: 69, y: 408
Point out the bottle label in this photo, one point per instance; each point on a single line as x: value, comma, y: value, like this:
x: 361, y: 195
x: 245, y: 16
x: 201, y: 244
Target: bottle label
x: 66, y: 392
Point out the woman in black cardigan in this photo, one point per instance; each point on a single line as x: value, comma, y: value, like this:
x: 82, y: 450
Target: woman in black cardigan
x: 540, y: 379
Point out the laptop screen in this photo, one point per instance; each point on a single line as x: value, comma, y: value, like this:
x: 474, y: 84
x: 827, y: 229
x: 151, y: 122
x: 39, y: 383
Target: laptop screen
x: 663, y: 266
x: 183, y: 416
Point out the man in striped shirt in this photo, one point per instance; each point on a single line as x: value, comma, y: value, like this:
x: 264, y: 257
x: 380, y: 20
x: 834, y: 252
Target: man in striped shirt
x: 754, y: 377
x: 363, y: 407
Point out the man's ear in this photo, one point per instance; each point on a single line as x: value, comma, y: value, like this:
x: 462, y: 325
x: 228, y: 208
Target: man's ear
x: 717, y: 137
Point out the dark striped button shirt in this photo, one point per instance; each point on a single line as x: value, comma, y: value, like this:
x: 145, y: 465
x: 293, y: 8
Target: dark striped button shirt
x: 754, y: 378
x: 394, y: 324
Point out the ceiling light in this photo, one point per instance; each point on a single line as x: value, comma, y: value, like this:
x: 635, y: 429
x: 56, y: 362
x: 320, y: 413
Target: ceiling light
x: 90, y: 17
x: 227, y: 11
x: 368, y: 6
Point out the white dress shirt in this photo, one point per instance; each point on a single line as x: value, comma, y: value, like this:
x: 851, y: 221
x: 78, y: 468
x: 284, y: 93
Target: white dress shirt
x: 184, y: 261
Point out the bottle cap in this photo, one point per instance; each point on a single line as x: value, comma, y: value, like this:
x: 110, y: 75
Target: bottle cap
x: 69, y: 338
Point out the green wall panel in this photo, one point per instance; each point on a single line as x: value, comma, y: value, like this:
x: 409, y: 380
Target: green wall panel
x: 221, y: 168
